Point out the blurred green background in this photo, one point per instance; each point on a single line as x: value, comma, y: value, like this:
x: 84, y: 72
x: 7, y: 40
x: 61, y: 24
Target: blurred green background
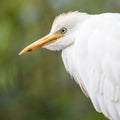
x: 36, y: 86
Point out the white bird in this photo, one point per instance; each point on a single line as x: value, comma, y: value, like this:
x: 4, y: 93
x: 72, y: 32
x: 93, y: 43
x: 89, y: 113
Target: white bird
x: 90, y: 46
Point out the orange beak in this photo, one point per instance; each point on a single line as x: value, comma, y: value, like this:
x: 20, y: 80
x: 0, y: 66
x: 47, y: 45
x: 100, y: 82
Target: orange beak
x: 41, y: 42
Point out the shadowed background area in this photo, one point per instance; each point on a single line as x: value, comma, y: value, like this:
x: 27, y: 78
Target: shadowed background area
x: 36, y: 86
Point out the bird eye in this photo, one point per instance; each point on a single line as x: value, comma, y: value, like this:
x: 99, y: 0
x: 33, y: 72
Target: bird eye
x: 63, y: 30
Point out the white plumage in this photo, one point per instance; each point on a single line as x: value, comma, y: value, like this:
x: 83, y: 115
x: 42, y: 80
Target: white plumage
x: 90, y: 47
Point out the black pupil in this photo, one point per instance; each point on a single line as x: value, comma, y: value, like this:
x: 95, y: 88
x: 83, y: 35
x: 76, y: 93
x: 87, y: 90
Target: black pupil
x: 63, y: 30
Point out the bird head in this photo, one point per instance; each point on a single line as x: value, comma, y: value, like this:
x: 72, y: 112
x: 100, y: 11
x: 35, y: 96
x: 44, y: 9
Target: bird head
x: 62, y: 34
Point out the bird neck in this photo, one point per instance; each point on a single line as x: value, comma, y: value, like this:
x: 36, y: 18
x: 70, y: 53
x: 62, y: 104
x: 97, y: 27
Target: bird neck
x: 69, y: 60
x: 72, y: 66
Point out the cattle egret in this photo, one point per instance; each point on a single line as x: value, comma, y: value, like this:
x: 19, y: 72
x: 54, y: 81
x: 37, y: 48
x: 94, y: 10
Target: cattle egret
x: 90, y: 46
